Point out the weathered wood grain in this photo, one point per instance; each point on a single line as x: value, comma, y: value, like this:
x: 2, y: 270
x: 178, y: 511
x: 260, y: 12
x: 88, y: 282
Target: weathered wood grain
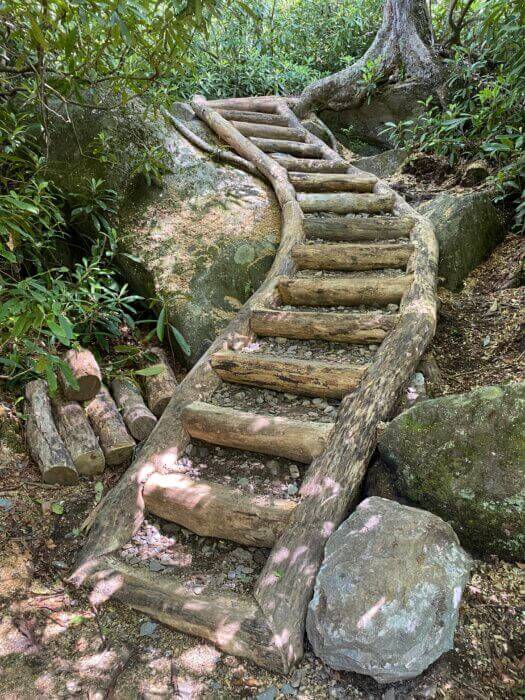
x: 293, y: 376
x: 346, y: 202
x: 343, y: 290
x: 315, y: 325
x: 256, y: 432
x: 217, y: 510
x: 341, y: 228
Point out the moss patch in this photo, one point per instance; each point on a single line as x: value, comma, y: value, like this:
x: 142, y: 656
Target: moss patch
x: 463, y: 457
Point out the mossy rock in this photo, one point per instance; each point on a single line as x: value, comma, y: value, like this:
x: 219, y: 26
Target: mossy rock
x: 468, y: 227
x: 202, y: 240
x: 463, y: 458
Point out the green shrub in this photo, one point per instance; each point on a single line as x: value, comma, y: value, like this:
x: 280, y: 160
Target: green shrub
x: 486, y: 88
x: 277, y: 48
x: 46, y: 305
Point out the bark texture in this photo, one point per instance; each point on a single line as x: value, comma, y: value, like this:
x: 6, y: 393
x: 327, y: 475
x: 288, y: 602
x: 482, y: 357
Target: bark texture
x: 45, y: 444
x: 139, y: 420
x: 403, y: 41
x: 160, y: 387
x: 78, y: 436
x: 117, y: 444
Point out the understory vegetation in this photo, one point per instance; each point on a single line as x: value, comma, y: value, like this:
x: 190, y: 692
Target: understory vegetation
x: 58, y: 288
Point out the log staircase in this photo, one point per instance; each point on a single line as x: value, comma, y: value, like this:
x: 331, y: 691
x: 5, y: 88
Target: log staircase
x: 356, y: 267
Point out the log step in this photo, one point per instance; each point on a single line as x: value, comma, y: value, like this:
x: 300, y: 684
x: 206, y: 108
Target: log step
x: 293, y: 376
x: 351, y: 256
x: 238, y: 115
x: 266, y: 104
x: 338, y: 228
x: 269, y: 131
x: 310, y: 165
x: 216, y: 510
x: 271, y: 435
x: 333, y: 326
x: 332, y: 182
x: 343, y: 291
x: 277, y: 146
x: 347, y: 203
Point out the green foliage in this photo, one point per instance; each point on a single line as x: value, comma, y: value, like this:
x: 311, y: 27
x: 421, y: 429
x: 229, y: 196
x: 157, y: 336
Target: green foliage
x: 484, y: 117
x: 54, y: 53
x: 278, y: 48
x: 57, y: 48
x: 47, y: 305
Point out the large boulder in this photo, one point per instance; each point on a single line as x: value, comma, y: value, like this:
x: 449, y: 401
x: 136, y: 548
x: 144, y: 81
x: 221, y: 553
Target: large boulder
x: 202, y: 240
x: 463, y: 457
x: 468, y: 227
x: 387, y: 595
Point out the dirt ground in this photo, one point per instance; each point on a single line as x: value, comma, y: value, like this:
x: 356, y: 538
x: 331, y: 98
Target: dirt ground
x: 54, y: 644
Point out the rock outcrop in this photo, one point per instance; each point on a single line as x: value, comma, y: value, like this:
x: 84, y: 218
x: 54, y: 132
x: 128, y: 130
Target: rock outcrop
x: 383, y: 164
x: 463, y: 458
x: 201, y: 241
x: 387, y: 595
x: 468, y: 227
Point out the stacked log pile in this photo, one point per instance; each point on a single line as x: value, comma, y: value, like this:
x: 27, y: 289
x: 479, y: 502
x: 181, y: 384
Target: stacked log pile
x: 80, y: 429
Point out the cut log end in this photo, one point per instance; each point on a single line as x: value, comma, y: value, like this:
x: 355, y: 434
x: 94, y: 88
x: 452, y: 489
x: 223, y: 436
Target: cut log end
x: 86, y: 371
x: 60, y: 474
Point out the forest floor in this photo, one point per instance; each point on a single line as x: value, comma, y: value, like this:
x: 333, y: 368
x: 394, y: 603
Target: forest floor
x: 53, y: 643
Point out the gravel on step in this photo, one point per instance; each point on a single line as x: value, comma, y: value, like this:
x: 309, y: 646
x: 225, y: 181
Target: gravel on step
x: 275, y: 403
x: 249, y: 472
x: 201, y: 564
x: 361, y: 309
x: 350, y: 275
x: 321, y: 350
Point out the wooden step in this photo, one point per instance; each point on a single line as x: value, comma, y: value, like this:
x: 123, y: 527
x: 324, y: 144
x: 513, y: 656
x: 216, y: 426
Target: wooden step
x: 266, y: 104
x: 310, y: 165
x: 338, y: 228
x: 332, y: 182
x: 254, y: 117
x: 351, y: 256
x: 270, y: 132
x: 217, y: 510
x: 346, y: 203
x: 271, y: 435
x: 278, y: 146
x: 343, y: 291
x: 293, y: 376
x: 319, y: 325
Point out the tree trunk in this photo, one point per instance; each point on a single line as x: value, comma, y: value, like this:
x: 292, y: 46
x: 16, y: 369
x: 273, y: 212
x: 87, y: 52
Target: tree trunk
x: 404, y: 42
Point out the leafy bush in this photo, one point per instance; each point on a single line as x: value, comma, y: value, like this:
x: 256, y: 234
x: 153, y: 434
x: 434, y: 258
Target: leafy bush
x: 45, y: 304
x: 278, y: 47
x: 484, y: 115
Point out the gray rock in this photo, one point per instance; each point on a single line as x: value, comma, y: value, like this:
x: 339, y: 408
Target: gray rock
x: 387, y: 595
x: 269, y: 693
x: 463, y: 457
x: 202, y: 240
x: 468, y: 227
x: 393, y: 102
x: 383, y: 164
x: 148, y: 628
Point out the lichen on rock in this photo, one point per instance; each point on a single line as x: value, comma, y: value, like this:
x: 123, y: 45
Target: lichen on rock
x: 463, y: 457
